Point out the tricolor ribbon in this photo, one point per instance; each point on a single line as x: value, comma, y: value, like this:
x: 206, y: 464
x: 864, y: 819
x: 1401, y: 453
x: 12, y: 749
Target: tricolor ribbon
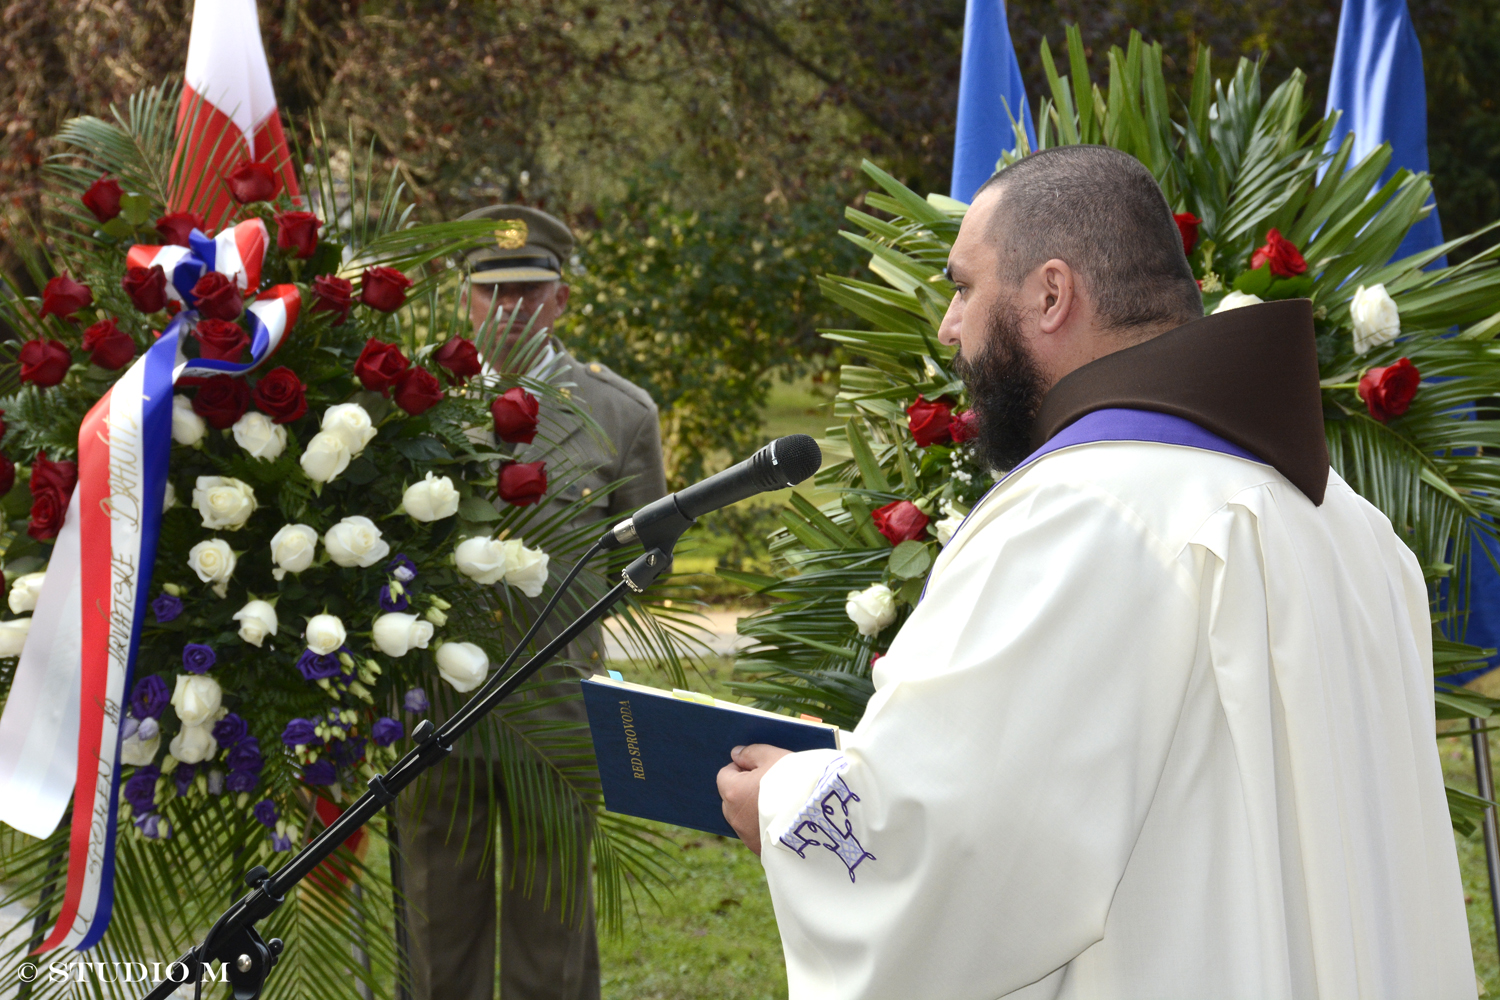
x: 60, y: 732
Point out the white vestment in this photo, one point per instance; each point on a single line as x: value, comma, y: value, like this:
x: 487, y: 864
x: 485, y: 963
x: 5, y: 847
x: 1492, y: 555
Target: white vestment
x: 1160, y: 729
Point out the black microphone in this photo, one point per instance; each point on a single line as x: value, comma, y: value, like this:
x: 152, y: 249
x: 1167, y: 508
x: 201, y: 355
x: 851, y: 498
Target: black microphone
x: 782, y: 463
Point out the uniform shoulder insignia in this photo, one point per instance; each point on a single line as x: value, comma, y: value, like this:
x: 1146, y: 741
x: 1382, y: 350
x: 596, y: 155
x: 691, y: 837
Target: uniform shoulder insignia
x: 604, y: 374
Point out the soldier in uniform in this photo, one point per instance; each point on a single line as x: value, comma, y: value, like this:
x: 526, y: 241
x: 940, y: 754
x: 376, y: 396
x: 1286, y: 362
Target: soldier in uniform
x: 447, y: 832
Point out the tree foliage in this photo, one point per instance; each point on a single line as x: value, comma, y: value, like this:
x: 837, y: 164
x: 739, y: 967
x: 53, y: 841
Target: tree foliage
x: 702, y: 308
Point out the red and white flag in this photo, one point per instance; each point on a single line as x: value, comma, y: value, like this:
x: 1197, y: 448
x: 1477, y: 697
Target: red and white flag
x: 228, y: 113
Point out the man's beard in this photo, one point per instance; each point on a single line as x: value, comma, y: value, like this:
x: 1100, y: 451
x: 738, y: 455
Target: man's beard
x: 1005, y: 391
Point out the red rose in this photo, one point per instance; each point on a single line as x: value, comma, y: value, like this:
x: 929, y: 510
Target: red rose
x: 103, y: 198
x: 1388, y: 391
x: 417, y: 391
x: 1187, y: 226
x: 147, y: 287
x: 380, y: 365
x: 44, y: 362
x: 251, y: 181
x: 515, y: 415
x: 221, y: 340
x: 1282, y: 255
x: 56, y: 475
x: 175, y: 226
x: 51, y: 488
x: 384, y: 288
x: 929, y: 422
x: 965, y: 426
x: 218, y: 297
x: 7, y: 478
x: 298, y: 231
x: 63, y: 297
x: 48, y: 508
x: 281, y: 395
x: 111, y: 348
x: 334, y: 295
x: 221, y: 400
x: 460, y: 357
x: 900, y: 521
x: 522, y: 483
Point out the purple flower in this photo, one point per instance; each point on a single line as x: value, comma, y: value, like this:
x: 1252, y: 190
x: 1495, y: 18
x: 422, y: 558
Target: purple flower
x: 347, y: 753
x: 198, y: 658
x: 129, y: 726
x: 183, y: 776
x: 149, y: 697
x: 402, y: 568
x: 216, y: 782
x: 280, y: 843
x: 313, y: 667
x: 386, y: 731
x: 265, y: 811
x: 140, y: 789
x: 320, y: 772
x: 166, y: 607
x: 230, y: 730
x: 148, y: 728
x: 389, y: 604
x: 415, y: 700
x: 153, y: 826
x: 242, y: 781
x: 245, y: 756
x: 300, y: 732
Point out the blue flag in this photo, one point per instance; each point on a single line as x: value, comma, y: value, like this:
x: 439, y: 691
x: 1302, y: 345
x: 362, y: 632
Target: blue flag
x: 1378, y: 85
x: 990, y: 96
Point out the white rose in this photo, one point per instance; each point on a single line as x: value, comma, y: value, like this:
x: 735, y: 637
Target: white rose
x: 187, y: 427
x: 1377, y: 320
x: 193, y: 744
x: 1236, y: 300
x: 325, y: 634
x: 292, y: 549
x: 872, y: 609
x: 257, y: 620
x: 396, y: 633
x: 213, y: 561
x: 260, y: 436
x: 25, y: 591
x: 351, y: 424
x: 463, y: 665
x: 224, y: 503
x: 196, y: 698
x: 169, y: 498
x: 431, y: 499
x: 525, y: 569
x: 480, y: 559
x: 355, y: 541
x: 946, y: 527
x: 325, y: 457
x: 13, y: 636
x: 139, y: 752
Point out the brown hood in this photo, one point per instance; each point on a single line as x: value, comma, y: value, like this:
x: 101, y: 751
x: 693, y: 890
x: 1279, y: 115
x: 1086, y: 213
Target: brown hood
x: 1249, y: 375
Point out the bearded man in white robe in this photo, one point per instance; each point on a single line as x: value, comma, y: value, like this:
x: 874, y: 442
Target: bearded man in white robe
x: 1162, y: 726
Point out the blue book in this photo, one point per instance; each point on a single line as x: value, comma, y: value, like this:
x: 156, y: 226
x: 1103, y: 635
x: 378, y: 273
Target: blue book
x: 660, y: 752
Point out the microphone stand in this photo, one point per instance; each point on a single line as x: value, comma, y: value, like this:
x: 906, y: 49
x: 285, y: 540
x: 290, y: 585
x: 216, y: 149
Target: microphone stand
x: 233, y: 939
